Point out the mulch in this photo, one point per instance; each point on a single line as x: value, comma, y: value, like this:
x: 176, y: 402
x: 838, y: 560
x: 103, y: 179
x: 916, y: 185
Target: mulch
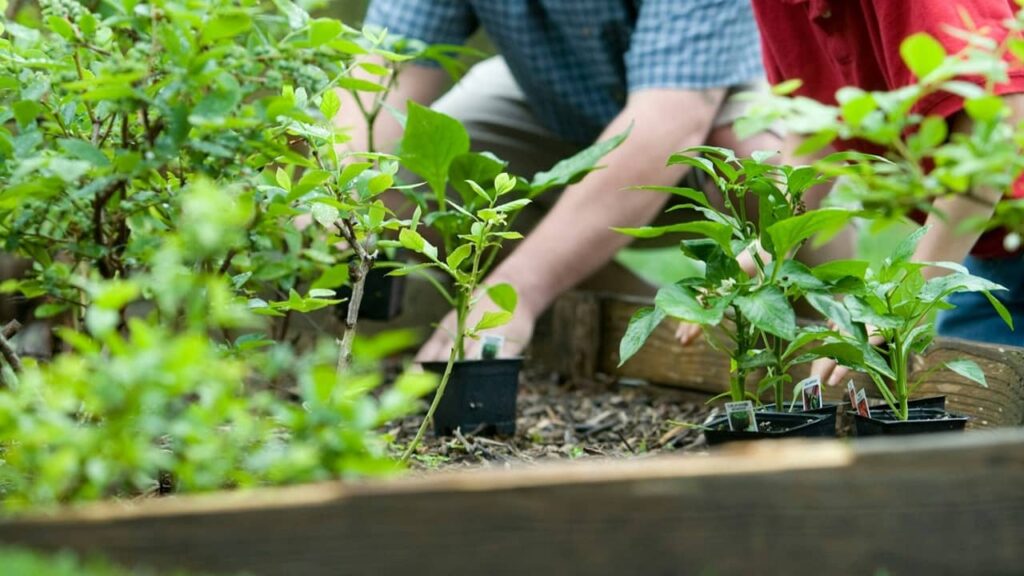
x: 564, y: 422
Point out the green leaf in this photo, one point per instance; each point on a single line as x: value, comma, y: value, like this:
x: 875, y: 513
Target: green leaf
x: 769, y: 310
x: 681, y: 302
x: 493, y: 320
x: 84, y: 150
x: 297, y: 17
x: 640, y: 328
x: 795, y: 273
x: 504, y: 296
x: 412, y: 240
x: 922, y: 53
x: 432, y: 141
x: 574, y: 168
x: 352, y: 171
x: 943, y: 286
x: 513, y: 206
x: 933, y: 133
x: 61, y: 26
x: 26, y: 111
x: 787, y: 234
x: 326, y: 215
x: 458, y: 256
x: 322, y: 31
x: 787, y: 87
x: 1000, y: 309
x: 838, y: 269
x: 473, y: 167
x: 833, y: 310
x: 968, y: 369
x: 720, y: 233
x: 330, y: 104
x: 985, y: 108
x: 360, y: 85
x: 688, y: 193
x: 226, y: 25
x: 905, y: 249
x: 855, y: 104
x: 332, y: 277
x: 816, y: 142
x: 861, y: 311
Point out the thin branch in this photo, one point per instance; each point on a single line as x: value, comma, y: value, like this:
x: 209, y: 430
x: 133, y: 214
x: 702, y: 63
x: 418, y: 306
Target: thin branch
x: 7, y: 350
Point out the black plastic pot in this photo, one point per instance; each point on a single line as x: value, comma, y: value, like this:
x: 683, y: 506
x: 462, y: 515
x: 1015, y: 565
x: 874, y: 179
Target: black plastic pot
x: 937, y: 402
x: 829, y: 408
x: 919, y: 421
x: 827, y: 411
x: 480, y: 396
x: 382, y: 296
x: 783, y: 425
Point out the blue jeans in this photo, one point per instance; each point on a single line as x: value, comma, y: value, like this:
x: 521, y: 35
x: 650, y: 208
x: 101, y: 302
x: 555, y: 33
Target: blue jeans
x: 974, y: 318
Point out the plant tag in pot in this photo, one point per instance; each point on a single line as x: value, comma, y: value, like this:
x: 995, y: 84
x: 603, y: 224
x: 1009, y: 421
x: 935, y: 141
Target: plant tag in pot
x: 741, y: 416
x: 862, y: 404
x: 491, y: 347
x: 810, y: 393
x: 852, y: 391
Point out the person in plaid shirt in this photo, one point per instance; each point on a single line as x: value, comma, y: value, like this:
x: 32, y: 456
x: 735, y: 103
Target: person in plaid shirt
x: 569, y: 74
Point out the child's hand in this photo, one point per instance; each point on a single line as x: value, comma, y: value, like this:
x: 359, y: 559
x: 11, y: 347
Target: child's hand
x: 687, y: 332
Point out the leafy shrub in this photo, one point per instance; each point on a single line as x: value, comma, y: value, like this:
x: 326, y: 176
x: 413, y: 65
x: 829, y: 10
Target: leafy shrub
x: 149, y: 400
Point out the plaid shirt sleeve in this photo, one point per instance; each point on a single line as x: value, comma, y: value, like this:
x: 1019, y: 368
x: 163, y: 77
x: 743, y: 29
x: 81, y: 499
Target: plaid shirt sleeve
x: 694, y: 44
x: 430, y: 21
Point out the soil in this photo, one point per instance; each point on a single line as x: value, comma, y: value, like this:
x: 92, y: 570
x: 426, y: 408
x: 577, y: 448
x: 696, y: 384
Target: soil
x: 563, y: 422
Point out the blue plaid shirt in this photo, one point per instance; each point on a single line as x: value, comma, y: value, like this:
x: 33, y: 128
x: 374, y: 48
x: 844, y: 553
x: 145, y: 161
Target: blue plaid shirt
x: 577, y: 60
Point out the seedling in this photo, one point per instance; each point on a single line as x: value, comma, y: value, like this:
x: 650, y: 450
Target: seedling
x: 895, y: 302
x: 466, y: 266
x: 472, y: 228
x: 753, y: 308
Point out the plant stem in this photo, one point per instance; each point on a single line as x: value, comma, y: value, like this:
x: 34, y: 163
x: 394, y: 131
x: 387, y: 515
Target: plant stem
x: 900, y: 369
x: 358, y: 271
x: 737, y: 384
x: 7, y: 350
x: 437, y: 399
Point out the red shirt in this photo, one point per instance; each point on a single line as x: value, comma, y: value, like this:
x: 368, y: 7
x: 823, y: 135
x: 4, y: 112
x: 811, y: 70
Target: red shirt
x: 830, y: 44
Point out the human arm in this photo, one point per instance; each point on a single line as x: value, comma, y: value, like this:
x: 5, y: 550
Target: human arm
x: 575, y: 237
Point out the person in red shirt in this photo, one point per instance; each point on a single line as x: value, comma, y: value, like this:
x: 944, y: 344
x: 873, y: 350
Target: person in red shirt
x: 831, y: 44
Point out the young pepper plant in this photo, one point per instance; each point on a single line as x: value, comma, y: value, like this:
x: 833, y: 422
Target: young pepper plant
x: 763, y: 215
x: 466, y: 265
x: 895, y: 301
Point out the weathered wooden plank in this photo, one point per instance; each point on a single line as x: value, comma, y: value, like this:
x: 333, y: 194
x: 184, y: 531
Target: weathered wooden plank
x: 697, y: 367
x: 937, y: 505
x: 576, y: 323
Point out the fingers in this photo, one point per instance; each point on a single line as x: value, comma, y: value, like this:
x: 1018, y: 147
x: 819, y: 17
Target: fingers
x: 829, y: 371
x: 435, y: 349
x: 686, y: 333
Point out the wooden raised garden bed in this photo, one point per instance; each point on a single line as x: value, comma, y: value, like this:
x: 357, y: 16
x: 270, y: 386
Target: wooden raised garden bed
x: 945, y: 503
x: 948, y: 504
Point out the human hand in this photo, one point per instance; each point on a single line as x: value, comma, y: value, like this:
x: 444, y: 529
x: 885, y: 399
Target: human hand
x: 829, y: 371
x: 517, y: 333
x: 687, y: 332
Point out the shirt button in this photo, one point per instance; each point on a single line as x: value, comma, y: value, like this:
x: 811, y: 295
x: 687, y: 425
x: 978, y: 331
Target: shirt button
x: 826, y: 13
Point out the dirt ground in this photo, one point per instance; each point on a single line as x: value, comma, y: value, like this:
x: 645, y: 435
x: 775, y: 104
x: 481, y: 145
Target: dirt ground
x: 564, y: 422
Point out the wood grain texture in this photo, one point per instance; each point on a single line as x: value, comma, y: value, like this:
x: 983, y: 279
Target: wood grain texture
x: 697, y: 367
x: 931, y: 505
